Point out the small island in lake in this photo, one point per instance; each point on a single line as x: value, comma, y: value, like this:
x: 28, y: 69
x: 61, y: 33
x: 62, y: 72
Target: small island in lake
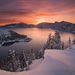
x: 8, y: 36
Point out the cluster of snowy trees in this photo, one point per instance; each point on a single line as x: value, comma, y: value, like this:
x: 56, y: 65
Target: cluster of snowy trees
x: 16, y: 62
x: 54, y: 42
x: 19, y: 62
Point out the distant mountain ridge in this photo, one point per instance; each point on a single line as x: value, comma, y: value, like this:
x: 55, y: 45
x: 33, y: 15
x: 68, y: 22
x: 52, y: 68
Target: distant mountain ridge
x: 61, y: 26
x: 17, y: 25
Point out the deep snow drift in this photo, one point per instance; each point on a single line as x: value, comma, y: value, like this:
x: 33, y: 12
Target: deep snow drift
x: 55, y: 62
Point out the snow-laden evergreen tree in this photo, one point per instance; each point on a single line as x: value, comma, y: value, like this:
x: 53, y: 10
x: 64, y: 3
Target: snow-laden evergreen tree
x: 63, y: 46
x: 32, y: 54
x: 42, y: 50
x: 27, y: 64
x: 10, y: 62
x: 24, y: 56
x: 50, y: 42
x: 18, y: 65
x: 10, y: 67
x: 57, y: 44
x: 14, y: 60
x: 69, y: 43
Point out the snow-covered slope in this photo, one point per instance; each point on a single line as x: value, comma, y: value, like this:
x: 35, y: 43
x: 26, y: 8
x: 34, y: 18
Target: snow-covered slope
x: 56, y: 62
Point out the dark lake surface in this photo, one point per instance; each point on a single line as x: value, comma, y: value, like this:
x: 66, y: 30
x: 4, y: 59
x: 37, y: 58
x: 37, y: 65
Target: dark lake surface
x: 39, y: 38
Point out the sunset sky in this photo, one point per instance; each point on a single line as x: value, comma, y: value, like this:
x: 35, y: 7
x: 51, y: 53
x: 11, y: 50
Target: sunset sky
x: 36, y: 11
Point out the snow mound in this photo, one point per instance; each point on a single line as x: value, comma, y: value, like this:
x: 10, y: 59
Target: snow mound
x: 56, y: 62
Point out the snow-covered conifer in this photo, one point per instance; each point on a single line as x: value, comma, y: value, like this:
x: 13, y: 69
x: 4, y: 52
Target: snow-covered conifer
x: 69, y: 43
x: 57, y: 41
x: 27, y: 64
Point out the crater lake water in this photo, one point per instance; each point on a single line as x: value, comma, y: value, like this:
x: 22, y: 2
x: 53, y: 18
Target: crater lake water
x: 39, y: 38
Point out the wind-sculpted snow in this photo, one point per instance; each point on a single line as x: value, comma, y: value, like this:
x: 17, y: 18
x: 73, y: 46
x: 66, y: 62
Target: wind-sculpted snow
x: 55, y: 62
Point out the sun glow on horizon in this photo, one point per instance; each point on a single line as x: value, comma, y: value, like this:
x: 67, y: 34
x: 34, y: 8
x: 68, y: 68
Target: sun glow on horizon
x: 40, y: 20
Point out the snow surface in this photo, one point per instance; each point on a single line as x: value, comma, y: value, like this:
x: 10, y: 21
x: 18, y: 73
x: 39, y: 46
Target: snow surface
x: 55, y: 62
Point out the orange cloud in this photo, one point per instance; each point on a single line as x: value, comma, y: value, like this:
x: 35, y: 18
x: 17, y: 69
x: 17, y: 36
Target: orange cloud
x: 35, y: 11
